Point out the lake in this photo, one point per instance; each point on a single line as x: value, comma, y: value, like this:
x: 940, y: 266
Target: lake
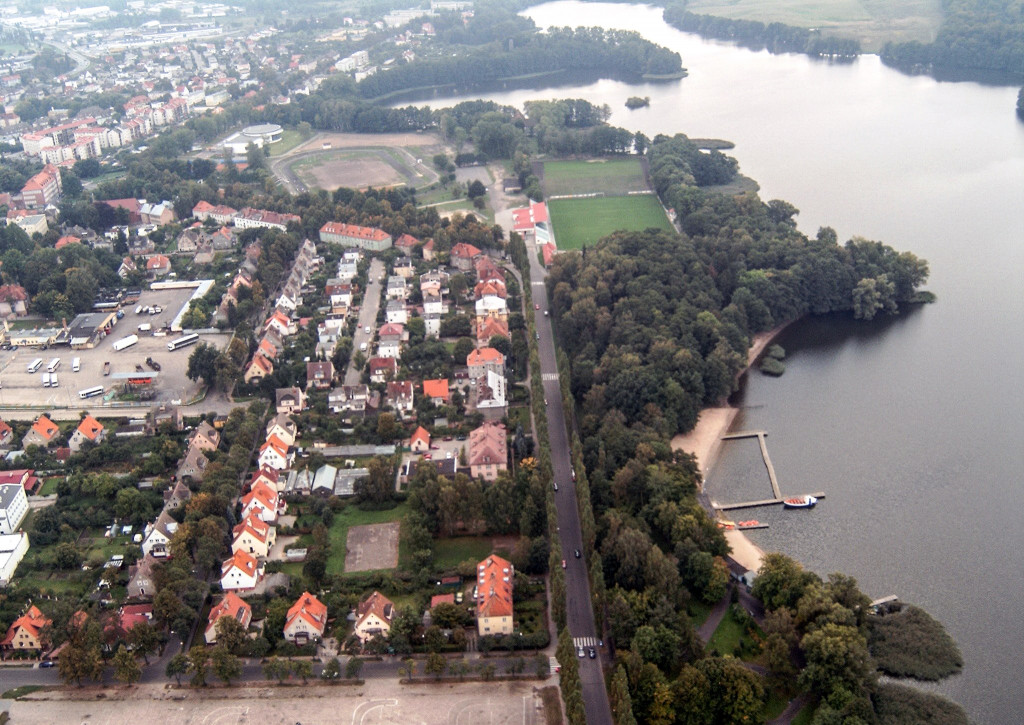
x: 912, y: 425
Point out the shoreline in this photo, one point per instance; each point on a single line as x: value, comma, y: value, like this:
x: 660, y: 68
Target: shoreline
x: 705, y: 443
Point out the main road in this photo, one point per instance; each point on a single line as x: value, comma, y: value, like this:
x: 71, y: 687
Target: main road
x: 579, y: 610
x: 367, y: 319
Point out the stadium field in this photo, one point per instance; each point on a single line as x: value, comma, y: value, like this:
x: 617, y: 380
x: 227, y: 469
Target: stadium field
x: 579, y: 222
x: 613, y: 177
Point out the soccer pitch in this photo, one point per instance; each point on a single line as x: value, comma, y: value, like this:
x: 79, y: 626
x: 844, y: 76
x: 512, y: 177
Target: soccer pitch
x: 613, y: 177
x: 579, y: 222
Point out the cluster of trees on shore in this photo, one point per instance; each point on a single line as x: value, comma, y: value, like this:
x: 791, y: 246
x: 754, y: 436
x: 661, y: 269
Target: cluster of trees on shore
x: 975, y: 35
x: 774, y: 37
x: 613, y: 52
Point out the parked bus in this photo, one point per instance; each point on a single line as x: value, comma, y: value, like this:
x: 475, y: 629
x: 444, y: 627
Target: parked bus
x: 46, y: 380
x: 54, y: 364
x: 90, y: 392
x: 35, y: 364
x: 125, y: 342
x: 183, y: 341
x: 76, y: 364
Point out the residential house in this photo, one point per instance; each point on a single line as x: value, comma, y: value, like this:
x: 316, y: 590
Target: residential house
x: 13, y: 507
x: 254, y: 536
x: 488, y: 451
x: 284, y: 428
x: 396, y: 288
x: 420, y: 441
x: 176, y: 495
x: 495, y: 583
x: 158, y: 214
x: 13, y: 301
x: 193, y: 465
x: 396, y: 312
x: 429, y: 251
x: 433, y: 304
x: 403, y: 267
x: 290, y: 400
x: 231, y: 606
x: 141, y: 584
x: 158, y: 265
x: 240, y: 573
x: 220, y: 214
x: 488, y: 271
x: 373, y: 617
x: 351, y: 399
x: 166, y: 414
x: 319, y: 375
x: 89, y: 430
x: 205, y: 437
x: 437, y: 391
x: 274, y: 454
x: 491, y: 391
x: 348, y: 269
x: 306, y: 620
x: 6, y: 435
x: 157, y: 535
x: 406, y: 242
x: 43, y: 432
x: 259, y: 367
x: 493, y: 307
x: 26, y: 632
x: 263, y: 501
x: 484, y: 360
x: 383, y: 369
x: 399, y: 395
x: 432, y: 324
x: 390, y: 338
x: 127, y: 267
x: 490, y: 288
x: 280, y: 323
x: 463, y: 255
x: 434, y: 282
x: 488, y: 328
x: 268, y: 477
x: 42, y: 189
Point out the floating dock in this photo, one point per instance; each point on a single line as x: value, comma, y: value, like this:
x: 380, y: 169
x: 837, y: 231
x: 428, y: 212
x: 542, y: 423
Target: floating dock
x: 760, y: 435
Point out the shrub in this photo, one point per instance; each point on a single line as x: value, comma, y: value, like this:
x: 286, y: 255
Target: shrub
x: 911, y: 643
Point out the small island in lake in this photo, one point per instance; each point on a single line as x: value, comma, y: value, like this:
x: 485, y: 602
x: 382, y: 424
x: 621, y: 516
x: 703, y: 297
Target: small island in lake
x: 637, y: 102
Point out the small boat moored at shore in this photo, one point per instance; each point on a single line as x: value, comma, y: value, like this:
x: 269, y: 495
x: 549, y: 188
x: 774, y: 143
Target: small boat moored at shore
x: 799, y: 502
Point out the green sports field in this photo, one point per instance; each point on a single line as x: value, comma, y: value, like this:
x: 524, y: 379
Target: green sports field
x: 580, y: 222
x: 596, y: 176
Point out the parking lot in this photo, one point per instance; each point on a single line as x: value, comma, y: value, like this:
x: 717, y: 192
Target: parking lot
x: 20, y: 387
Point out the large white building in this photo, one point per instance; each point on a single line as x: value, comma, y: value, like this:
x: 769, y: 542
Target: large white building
x: 12, y: 550
x: 13, y: 507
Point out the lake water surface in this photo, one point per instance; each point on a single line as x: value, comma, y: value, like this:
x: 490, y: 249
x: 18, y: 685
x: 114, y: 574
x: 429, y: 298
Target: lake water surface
x: 913, y: 426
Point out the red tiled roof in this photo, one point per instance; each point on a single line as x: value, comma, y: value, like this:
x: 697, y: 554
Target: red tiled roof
x: 495, y: 582
x: 90, y: 427
x: 353, y: 230
x: 45, y: 427
x: 436, y: 389
x: 309, y: 608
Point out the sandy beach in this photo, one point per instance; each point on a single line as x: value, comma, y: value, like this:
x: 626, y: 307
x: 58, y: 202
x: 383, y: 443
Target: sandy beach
x: 705, y: 443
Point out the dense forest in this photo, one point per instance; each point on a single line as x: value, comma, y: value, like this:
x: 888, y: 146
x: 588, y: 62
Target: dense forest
x: 975, y: 35
x: 774, y: 37
x: 655, y: 326
x: 611, y: 52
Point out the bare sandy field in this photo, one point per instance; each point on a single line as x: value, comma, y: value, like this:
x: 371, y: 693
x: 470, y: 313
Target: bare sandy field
x: 356, y: 172
x: 372, y: 546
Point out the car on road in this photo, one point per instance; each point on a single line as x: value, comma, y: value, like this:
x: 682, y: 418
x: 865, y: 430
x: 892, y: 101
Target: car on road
x: 577, y: 553
x: 563, y: 563
x: 46, y: 664
x: 536, y: 306
x: 555, y: 484
x: 428, y: 456
x: 593, y: 653
x: 367, y: 329
x: 538, y: 335
x: 545, y: 313
x: 579, y: 652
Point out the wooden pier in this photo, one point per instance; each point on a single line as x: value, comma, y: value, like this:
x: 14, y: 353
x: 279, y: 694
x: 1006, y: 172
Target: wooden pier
x: 755, y: 504
x: 760, y: 435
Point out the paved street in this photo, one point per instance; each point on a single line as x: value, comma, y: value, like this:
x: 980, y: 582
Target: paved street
x: 367, y: 318
x: 578, y: 607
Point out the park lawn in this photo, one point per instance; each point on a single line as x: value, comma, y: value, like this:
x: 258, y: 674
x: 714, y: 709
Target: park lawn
x: 290, y: 138
x: 731, y: 639
x: 449, y: 553
x: 580, y: 222
x: 698, y: 611
x: 352, y: 516
x: 596, y: 176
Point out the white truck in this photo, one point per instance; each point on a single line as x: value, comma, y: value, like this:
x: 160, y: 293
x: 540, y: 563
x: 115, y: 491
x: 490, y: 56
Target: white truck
x: 125, y: 342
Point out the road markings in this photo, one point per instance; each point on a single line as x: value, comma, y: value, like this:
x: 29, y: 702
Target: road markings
x: 549, y: 377
x: 584, y: 641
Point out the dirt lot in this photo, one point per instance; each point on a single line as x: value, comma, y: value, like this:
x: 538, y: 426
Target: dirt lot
x: 334, y: 169
x: 19, y: 387
x: 378, y: 701
x: 372, y: 546
x: 362, y: 140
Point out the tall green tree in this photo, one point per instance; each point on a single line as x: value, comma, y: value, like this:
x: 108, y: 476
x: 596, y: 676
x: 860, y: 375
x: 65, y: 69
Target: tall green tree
x: 126, y: 667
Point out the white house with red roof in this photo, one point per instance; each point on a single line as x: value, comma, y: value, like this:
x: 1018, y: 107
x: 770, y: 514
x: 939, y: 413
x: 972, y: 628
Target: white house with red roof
x: 262, y: 501
x: 306, y: 620
x: 420, y: 441
x: 373, y: 617
x: 230, y: 606
x: 370, y: 238
x: 253, y: 536
x: 274, y: 454
x: 463, y: 255
x: 484, y: 360
x: 158, y: 265
x: 495, y: 582
x: 89, y: 430
x: 240, y: 573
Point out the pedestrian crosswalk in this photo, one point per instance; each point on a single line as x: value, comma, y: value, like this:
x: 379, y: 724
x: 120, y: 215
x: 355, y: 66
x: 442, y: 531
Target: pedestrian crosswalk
x: 553, y: 663
x: 549, y: 376
x: 584, y: 641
